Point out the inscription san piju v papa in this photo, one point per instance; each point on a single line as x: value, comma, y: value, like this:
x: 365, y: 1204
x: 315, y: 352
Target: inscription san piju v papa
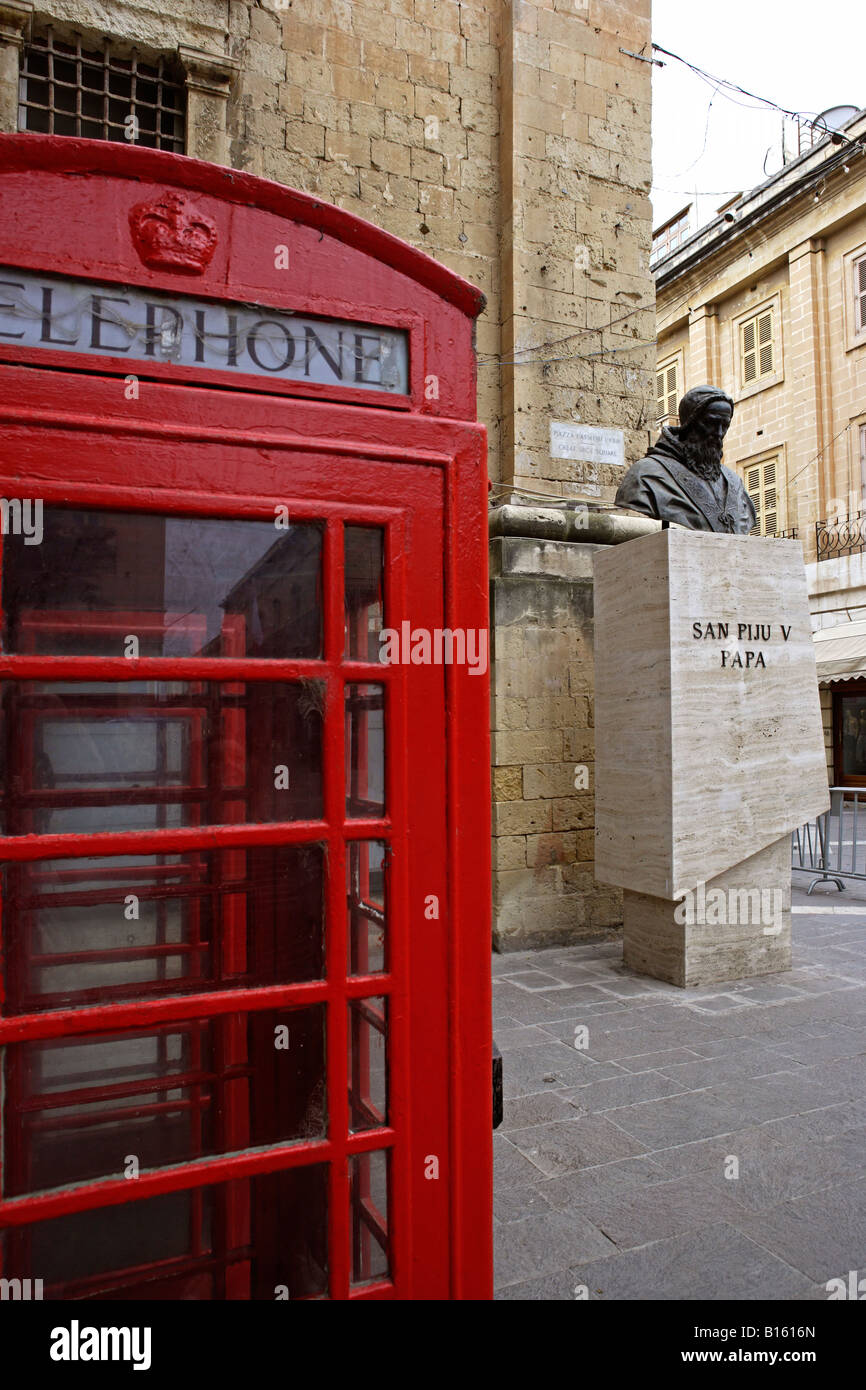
x: 751, y: 658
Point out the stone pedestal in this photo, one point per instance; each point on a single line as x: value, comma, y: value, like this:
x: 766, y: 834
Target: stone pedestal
x: 736, y: 925
x: 544, y: 890
x: 709, y: 747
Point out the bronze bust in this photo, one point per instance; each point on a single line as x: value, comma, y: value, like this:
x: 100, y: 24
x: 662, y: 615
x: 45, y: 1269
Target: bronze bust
x: 683, y: 479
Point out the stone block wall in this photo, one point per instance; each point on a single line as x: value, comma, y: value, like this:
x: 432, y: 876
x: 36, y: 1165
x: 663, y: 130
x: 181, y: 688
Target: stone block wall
x: 543, y: 744
x: 578, y: 301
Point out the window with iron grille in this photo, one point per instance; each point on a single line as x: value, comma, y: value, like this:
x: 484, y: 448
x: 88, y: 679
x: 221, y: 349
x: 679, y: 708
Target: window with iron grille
x: 757, y: 348
x: 66, y: 89
x: 763, y: 484
x: 859, y: 269
x: 667, y: 391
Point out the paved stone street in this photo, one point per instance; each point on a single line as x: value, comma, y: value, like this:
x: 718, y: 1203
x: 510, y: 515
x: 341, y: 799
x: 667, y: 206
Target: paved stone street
x: 610, y: 1166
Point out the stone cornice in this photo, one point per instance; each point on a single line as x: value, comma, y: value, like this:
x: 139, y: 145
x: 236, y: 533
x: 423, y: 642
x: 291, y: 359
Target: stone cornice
x: 210, y: 73
x: 568, y: 523
x: 15, y: 17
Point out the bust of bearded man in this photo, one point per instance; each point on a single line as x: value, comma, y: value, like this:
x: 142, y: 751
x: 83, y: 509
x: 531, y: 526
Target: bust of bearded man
x: 682, y: 479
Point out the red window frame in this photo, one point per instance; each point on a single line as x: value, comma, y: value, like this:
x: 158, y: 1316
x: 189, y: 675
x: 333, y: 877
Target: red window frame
x: 332, y: 828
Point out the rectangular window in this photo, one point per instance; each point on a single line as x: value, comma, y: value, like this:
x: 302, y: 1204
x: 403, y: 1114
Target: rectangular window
x: 83, y: 757
x: 757, y: 348
x: 365, y: 750
x: 763, y: 484
x: 195, y: 979
x: 100, y: 930
x: 671, y: 234
x: 851, y: 714
x: 104, y: 583
x: 369, y: 1178
x: 365, y: 619
x: 105, y: 1105
x: 368, y: 1063
x: 211, y: 1242
x: 667, y: 392
x: 365, y: 893
x: 859, y: 269
x: 65, y: 89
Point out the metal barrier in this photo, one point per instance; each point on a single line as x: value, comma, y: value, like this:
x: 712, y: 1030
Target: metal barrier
x: 833, y: 846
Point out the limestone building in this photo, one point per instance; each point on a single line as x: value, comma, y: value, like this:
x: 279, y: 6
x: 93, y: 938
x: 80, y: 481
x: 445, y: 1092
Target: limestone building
x: 510, y: 139
x: 769, y: 301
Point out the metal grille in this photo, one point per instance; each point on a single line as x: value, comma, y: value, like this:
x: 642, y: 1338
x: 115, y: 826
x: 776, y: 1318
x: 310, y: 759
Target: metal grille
x: 65, y: 89
x: 841, y: 536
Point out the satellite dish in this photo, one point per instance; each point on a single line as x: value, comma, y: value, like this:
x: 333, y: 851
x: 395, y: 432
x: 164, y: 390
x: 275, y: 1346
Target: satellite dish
x: 827, y: 122
x: 835, y: 117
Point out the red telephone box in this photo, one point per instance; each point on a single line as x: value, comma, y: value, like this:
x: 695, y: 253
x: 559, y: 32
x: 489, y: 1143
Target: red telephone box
x: 245, y: 1012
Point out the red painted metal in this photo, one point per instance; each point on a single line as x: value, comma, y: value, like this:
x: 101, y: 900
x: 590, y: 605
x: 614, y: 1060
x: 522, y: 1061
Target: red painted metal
x: 200, y: 443
x: 170, y: 234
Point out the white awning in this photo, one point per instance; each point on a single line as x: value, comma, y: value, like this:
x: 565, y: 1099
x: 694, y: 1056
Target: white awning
x: 840, y: 652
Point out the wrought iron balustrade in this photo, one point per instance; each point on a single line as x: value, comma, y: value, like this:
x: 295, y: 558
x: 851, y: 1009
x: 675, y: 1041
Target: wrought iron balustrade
x: 841, y: 536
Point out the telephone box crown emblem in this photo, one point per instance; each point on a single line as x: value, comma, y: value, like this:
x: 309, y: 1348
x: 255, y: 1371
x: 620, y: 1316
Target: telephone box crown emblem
x: 171, y: 234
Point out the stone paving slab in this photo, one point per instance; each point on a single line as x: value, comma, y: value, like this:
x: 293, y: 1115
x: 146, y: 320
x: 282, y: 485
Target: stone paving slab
x: 706, y: 1143
x: 750, y: 1146
x: 615, y: 1091
x: 715, y: 1262
x: 582, y: 1142
x: 823, y: 1234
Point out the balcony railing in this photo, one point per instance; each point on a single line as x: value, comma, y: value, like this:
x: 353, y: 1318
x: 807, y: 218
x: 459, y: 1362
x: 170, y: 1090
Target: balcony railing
x: 792, y: 534
x: 841, y: 536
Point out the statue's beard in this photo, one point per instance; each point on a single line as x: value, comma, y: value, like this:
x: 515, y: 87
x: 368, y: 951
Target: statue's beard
x: 703, y: 457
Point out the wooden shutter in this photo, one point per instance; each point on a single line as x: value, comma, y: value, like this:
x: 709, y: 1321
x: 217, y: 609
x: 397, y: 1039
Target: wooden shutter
x: 765, y: 343
x: 757, y: 347
x: 860, y: 294
x: 762, y: 485
x: 749, y: 356
x: 770, y: 509
x: 753, y: 488
x: 667, y: 391
x: 672, y: 389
